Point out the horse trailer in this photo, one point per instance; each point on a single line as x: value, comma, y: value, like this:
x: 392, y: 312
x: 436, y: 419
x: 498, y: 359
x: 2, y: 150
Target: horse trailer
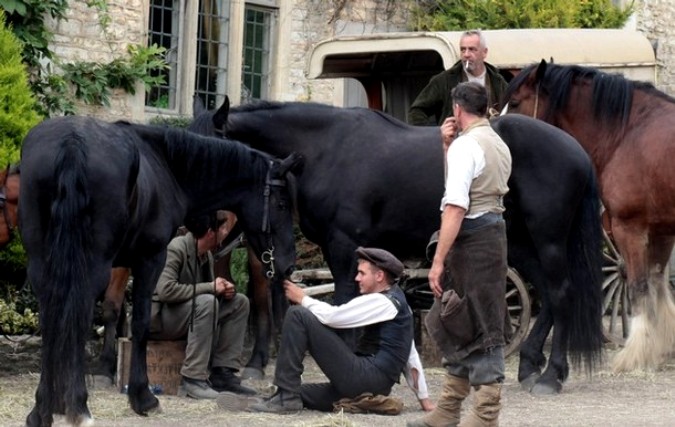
x: 386, y: 71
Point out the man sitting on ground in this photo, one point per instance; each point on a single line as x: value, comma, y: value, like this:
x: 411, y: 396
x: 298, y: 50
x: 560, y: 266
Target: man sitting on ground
x: 385, y: 349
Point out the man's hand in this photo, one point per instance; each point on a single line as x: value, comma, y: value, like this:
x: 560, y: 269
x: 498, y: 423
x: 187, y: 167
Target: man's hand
x: 294, y: 293
x: 225, y: 288
x: 448, y: 132
x: 427, y: 405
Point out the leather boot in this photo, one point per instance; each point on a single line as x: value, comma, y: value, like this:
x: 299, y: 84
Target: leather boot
x: 448, y: 406
x: 486, y: 406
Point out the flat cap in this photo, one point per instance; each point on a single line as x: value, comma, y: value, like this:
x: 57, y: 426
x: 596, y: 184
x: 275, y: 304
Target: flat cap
x: 382, y: 259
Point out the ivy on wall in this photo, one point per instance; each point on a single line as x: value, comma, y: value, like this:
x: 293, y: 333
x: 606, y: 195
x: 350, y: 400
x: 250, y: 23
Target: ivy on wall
x: 90, y: 82
x: 457, y: 15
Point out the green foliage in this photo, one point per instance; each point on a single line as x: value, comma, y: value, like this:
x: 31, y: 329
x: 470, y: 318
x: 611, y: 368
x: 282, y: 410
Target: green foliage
x: 18, y: 313
x: 173, y: 121
x: 17, y: 114
x: 91, y: 82
x: 239, y: 269
x: 457, y: 15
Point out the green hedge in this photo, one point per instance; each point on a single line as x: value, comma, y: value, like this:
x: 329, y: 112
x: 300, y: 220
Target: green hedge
x: 458, y: 15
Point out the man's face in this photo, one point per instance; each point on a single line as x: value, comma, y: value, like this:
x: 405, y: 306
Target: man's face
x: 473, y: 55
x: 368, y: 277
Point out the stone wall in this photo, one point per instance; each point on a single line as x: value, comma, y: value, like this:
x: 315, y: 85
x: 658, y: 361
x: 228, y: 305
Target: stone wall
x: 80, y: 37
x: 656, y: 20
x: 303, y: 23
x: 316, y: 20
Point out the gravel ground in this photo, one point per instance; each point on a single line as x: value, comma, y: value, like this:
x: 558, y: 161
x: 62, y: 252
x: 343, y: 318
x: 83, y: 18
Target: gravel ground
x: 636, y: 399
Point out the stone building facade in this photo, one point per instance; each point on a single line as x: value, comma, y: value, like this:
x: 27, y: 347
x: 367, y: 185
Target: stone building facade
x: 297, y: 26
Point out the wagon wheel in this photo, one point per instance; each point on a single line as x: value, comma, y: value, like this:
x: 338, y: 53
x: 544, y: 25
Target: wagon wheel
x: 615, y: 304
x: 519, y: 311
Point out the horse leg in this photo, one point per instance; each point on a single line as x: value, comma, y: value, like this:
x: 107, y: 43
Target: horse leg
x: 259, y: 293
x: 113, y: 302
x: 145, y: 277
x: 659, y: 255
x: 524, y: 258
x: 645, y: 265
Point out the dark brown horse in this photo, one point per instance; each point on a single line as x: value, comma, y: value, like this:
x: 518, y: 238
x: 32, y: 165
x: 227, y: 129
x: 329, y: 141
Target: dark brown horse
x: 628, y: 128
x: 9, y: 201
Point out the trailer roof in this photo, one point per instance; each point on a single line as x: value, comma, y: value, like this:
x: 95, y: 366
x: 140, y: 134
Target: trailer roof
x: 628, y: 52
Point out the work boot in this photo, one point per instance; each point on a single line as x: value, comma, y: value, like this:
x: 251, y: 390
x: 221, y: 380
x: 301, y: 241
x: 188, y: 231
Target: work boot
x: 196, y: 389
x: 486, y: 406
x: 448, y: 407
x: 236, y: 402
x: 224, y: 379
x: 282, y: 402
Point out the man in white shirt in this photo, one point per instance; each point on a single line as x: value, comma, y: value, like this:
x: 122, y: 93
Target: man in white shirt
x: 385, y: 349
x: 468, y: 273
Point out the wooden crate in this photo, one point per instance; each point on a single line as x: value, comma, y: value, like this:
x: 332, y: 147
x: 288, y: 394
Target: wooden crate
x: 426, y: 346
x: 164, y: 358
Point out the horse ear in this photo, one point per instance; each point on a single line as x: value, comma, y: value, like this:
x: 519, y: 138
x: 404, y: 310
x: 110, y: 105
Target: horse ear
x: 220, y: 116
x: 551, y: 61
x: 197, y: 105
x: 292, y: 163
x: 541, y: 70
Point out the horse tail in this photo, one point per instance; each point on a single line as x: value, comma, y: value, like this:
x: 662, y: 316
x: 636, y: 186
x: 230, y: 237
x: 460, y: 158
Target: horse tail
x: 66, y: 301
x: 585, y: 255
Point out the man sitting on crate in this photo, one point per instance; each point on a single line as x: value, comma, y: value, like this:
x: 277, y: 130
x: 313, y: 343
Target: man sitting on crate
x: 385, y: 349
x: 189, y: 303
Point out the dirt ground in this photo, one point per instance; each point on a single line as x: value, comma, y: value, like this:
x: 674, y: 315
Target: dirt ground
x: 637, y: 399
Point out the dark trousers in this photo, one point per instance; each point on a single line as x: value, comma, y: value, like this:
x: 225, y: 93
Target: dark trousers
x: 349, y: 374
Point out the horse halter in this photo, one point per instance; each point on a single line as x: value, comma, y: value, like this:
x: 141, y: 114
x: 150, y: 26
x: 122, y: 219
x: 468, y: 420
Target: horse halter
x: 267, y: 257
x: 536, y: 101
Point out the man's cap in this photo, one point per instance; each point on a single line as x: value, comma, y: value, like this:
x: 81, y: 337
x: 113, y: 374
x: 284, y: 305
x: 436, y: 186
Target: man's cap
x: 382, y: 259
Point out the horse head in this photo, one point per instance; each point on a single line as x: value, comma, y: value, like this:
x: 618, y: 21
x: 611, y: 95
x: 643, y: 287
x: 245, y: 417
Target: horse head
x: 9, y: 200
x: 526, y: 93
x: 270, y: 224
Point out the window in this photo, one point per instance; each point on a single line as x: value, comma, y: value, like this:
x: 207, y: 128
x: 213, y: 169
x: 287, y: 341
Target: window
x: 163, y: 32
x: 201, y: 58
x: 212, y: 44
x: 196, y: 37
x: 256, y: 66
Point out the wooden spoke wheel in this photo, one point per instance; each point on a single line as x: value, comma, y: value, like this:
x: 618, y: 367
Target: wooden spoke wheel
x: 519, y: 311
x: 615, y: 304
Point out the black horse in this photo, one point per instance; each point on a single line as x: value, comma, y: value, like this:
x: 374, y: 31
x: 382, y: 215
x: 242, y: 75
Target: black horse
x: 372, y: 180
x: 97, y: 195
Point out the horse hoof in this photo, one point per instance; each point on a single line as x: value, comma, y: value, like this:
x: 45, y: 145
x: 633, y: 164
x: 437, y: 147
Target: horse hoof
x: 250, y: 373
x: 529, y: 382
x: 546, y: 389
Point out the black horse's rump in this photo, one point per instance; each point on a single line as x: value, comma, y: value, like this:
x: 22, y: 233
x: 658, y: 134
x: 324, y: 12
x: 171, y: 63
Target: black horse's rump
x: 371, y: 180
x: 97, y: 195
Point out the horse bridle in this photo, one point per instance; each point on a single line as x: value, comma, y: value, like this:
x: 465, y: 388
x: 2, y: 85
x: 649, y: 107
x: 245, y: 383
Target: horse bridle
x: 267, y: 257
x: 536, y: 101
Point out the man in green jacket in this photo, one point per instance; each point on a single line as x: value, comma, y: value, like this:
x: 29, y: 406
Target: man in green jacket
x: 434, y: 104
x: 190, y: 303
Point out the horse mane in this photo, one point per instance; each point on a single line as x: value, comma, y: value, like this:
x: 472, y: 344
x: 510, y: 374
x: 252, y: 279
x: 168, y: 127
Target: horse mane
x: 189, y: 151
x: 611, y: 94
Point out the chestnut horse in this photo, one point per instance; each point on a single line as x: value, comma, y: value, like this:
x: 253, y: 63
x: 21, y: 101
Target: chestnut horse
x: 628, y: 128
x: 9, y: 200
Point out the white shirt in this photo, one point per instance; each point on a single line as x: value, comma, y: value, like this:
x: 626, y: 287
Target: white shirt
x: 465, y: 162
x: 366, y: 310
